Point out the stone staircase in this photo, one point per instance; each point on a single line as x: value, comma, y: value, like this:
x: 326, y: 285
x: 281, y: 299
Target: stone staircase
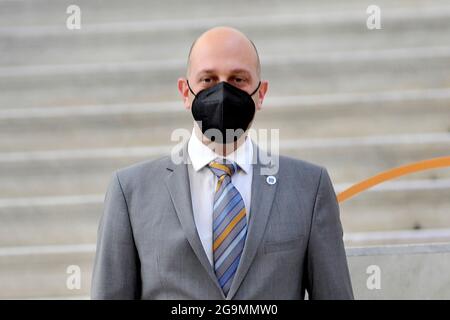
x: 75, y: 105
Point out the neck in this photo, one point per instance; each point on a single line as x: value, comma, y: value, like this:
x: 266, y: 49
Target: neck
x: 221, y: 149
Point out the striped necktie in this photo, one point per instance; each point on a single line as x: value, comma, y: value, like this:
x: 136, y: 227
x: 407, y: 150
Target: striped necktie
x: 229, y: 224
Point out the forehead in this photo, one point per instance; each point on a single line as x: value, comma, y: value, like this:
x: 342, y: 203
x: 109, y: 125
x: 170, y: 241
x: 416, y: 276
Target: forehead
x: 223, y: 55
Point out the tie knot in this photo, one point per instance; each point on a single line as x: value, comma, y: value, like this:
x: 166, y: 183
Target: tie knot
x: 225, y: 167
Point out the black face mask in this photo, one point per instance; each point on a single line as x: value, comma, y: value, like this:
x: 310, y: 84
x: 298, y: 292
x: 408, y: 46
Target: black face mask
x: 223, y: 107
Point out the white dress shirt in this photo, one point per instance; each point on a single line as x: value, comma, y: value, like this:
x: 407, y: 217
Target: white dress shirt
x: 203, y: 183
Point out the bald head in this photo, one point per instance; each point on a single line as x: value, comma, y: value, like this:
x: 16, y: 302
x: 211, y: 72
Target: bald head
x: 224, y: 43
x: 223, y: 54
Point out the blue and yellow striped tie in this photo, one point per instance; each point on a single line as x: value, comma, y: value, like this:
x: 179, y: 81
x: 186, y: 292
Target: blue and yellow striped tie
x: 229, y: 224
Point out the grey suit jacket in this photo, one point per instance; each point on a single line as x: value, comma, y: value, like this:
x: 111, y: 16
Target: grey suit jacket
x: 148, y: 246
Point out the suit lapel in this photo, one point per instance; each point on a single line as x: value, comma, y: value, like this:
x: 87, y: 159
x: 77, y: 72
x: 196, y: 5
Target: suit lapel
x: 262, y: 198
x: 178, y: 185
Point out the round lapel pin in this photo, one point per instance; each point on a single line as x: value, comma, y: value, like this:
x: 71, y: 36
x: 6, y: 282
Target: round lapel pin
x: 271, y: 180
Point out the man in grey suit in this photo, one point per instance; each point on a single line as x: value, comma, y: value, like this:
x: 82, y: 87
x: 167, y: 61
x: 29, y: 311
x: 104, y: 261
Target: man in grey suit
x: 216, y: 221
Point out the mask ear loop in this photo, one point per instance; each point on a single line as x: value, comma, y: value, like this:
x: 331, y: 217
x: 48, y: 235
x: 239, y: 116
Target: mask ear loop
x: 259, y: 84
x: 191, y: 89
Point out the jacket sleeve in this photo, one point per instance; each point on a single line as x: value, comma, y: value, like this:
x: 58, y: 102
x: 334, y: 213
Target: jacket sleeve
x: 327, y: 275
x: 116, y: 273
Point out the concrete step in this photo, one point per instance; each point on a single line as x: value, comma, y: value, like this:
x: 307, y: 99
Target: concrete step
x: 139, y: 41
x: 379, y: 211
x: 143, y: 82
x: 404, y: 271
x: 396, y: 237
x: 29, y: 275
x: 396, y: 210
x: 86, y: 172
x: 297, y: 117
x: 52, y: 12
x: 54, y: 224
x: 48, y: 205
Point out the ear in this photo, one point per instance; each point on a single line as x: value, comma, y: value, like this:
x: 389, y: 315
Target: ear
x: 184, y: 92
x: 262, y: 93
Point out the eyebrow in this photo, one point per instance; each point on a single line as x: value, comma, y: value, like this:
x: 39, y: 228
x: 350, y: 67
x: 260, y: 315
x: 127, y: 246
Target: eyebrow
x: 206, y: 71
x: 233, y: 71
x: 241, y: 71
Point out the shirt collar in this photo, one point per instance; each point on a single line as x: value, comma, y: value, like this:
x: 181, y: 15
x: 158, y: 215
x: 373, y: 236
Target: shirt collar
x: 201, y: 155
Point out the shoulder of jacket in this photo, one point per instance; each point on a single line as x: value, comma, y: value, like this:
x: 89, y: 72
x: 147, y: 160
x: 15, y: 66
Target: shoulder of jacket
x: 289, y: 164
